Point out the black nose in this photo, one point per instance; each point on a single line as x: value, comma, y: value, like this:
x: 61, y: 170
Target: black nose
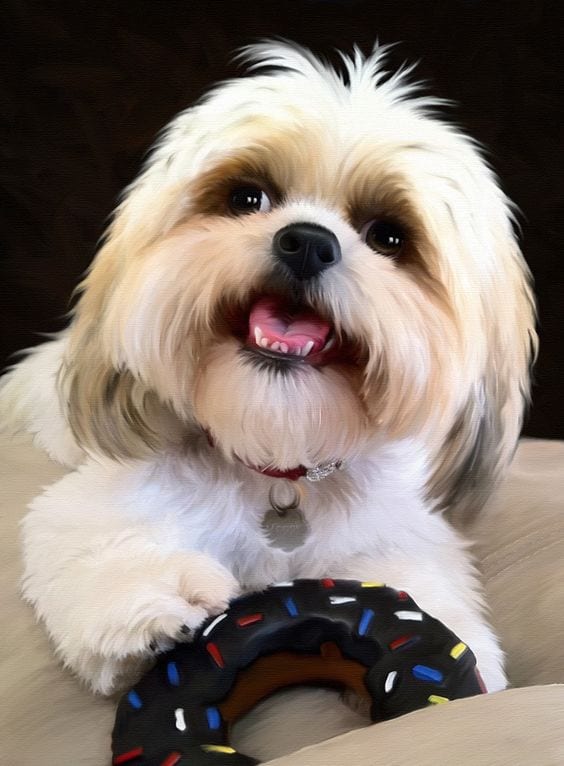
x: 306, y: 249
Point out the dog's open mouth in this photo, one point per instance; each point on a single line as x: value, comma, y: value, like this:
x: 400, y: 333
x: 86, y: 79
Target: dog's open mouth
x: 290, y: 332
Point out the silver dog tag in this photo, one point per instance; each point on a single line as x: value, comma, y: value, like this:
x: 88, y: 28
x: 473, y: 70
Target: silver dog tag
x: 285, y: 531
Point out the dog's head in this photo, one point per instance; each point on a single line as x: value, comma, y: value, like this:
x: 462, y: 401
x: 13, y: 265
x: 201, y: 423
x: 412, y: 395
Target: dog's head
x: 309, y: 263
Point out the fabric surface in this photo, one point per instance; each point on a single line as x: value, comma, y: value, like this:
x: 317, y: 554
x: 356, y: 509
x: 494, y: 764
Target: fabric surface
x: 518, y: 727
x: 47, y: 718
x: 521, y: 557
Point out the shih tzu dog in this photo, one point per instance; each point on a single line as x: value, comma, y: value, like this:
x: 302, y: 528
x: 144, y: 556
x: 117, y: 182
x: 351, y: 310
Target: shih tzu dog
x: 302, y: 350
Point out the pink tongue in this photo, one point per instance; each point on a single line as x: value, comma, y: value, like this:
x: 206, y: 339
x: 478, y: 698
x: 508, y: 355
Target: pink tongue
x: 269, y: 315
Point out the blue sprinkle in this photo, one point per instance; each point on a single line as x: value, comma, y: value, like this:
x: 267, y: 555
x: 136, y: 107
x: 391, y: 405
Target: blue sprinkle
x: 365, y: 621
x: 135, y: 700
x: 214, y: 717
x: 173, y: 674
x: 424, y: 673
x: 291, y: 607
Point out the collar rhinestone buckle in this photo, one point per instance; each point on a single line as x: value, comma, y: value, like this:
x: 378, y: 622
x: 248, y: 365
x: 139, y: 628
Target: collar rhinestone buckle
x: 323, y: 470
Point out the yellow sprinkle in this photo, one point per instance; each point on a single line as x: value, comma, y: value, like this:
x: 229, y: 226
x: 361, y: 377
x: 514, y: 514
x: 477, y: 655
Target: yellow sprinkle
x: 218, y: 749
x: 372, y: 584
x: 457, y: 650
x: 435, y: 699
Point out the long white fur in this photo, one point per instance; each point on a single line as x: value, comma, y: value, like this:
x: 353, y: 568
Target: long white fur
x: 125, y: 550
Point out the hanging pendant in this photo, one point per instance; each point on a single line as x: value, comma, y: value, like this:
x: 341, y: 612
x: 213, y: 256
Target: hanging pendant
x: 284, y: 522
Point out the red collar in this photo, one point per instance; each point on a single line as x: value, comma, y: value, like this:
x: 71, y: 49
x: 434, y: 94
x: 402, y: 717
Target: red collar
x: 293, y: 474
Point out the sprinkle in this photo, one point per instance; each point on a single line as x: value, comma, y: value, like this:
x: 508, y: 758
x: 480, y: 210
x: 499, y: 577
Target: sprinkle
x: 171, y: 759
x: 436, y: 699
x: 328, y: 583
x: 249, y: 619
x: 409, y: 615
x: 425, y: 673
x: 481, y: 683
x: 365, y: 621
x: 218, y: 749
x: 214, y: 717
x: 403, y: 596
x: 288, y: 584
x: 341, y: 599
x: 180, y: 720
x: 403, y: 642
x: 390, y: 681
x: 291, y: 607
x: 173, y: 674
x: 213, y: 623
x: 215, y: 654
x: 129, y: 756
x: 458, y: 650
x: 134, y: 700
x: 370, y: 584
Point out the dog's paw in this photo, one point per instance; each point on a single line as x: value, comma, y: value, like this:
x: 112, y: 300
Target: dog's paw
x: 206, y: 588
x: 153, y: 603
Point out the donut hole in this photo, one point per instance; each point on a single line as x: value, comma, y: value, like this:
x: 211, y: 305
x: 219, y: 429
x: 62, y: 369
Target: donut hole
x: 292, y: 718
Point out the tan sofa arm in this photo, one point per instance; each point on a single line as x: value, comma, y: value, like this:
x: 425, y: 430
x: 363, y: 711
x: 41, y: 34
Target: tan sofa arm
x: 518, y: 727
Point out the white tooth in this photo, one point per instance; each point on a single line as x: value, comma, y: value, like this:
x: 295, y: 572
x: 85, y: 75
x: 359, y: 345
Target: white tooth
x: 307, y: 348
x: 258, y: 335
x: 264, y: 342
x: 298, y: 351
x: 275, y: 346
x: 284, y: 348
x: 330, y: 342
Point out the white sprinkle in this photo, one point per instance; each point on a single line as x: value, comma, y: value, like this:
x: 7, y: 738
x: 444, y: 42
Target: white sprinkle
x: 308, y: 346
x: 264, y: 342
x: 390, y: 679
x: 341, y: 599
x: 258, y: 335
x: 282, y: 584
x: 284, y: 348
x: 212, y: 624
x: 180, y: 722
x: 409, y: 616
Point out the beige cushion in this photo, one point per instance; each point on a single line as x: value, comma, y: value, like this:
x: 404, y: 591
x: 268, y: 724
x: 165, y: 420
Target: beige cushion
x: 47, y: 719
x: 521, y: 555
x: 519, y: 727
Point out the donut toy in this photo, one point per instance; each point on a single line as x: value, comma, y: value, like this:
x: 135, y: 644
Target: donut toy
x: 366, y: 636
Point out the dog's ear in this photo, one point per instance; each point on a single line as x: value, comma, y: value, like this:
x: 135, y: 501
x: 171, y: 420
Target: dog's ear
x: 109, y: 407
x: 109, y: 410
x: 484, y: 436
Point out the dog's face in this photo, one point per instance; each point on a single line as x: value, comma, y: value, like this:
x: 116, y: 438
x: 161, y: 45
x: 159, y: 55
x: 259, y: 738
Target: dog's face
x: 305, y: 267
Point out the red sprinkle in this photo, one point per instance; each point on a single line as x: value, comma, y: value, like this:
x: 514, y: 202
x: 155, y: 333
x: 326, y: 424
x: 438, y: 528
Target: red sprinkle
x: 328, y: 583
x: 215, y: 654
x: 402, y: 596
x: 249, y: 619
x: 171, y: 759
x: 129, y: 756
x: 481, y: 681
x: 400, y: 642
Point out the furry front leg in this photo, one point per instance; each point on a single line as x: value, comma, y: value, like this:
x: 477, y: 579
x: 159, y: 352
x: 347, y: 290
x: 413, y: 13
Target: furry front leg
x: 110, y: 586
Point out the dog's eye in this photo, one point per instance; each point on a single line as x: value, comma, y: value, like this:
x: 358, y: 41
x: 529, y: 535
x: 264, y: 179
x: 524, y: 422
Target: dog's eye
x: 383, y: 236
x: 249, y: 199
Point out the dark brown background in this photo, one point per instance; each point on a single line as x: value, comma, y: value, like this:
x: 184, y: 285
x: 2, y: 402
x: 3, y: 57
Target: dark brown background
x: 86, y: 85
